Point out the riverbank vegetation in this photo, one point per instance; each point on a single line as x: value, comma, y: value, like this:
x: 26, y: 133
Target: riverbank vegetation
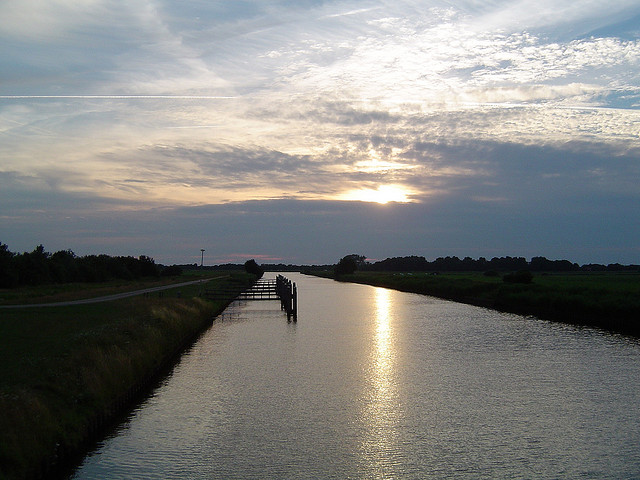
x: 605, y: 300
x: 468, y: 264
x: 67, y: 371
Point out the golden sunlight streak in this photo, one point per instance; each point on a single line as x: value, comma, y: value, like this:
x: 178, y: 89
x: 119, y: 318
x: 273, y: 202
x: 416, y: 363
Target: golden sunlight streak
x: 381, y: 412
x: 383, y: 322
x: 384, y: 194
x: 382, y: 363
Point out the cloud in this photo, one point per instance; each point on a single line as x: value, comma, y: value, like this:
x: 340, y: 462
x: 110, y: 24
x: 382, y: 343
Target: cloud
x: 321, y: 155
x: 449, y: 64
x: 101, y: 47
x: 471, y: 169
x: 119, y: 114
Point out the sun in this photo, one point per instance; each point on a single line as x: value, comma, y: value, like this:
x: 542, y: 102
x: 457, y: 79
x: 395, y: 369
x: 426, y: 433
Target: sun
x: 382, y: 195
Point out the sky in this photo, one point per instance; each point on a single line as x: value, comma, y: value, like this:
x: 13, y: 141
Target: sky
x: 302, y: 131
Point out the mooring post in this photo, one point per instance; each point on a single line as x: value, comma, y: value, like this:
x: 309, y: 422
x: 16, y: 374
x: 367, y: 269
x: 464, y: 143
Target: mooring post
x: 295, y: 303
x: 287, y: 293
x: 288, y: 300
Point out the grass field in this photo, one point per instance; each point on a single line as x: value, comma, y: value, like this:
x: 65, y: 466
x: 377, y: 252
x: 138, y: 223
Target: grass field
x: 66, y: 371
x: 76, y: 291
x: 606, y: 300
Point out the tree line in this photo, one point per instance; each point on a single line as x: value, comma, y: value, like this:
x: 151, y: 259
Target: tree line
x: 468, y: 264
x: 40, y: 267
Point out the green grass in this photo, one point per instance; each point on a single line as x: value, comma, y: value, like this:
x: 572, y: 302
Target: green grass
x: 77, y: 291
x: 65, y: 371
x: 606, y: 300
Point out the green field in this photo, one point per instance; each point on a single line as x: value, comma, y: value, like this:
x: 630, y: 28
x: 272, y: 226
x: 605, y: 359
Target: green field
x: 76, y: 291
x: 606, y: 300
x: 65, y: 372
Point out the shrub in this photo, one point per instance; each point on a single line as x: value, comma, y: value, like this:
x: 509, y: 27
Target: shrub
x: 521, y: 276
x: 172, y: 271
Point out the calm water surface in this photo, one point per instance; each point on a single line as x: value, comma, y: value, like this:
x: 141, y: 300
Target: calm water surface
x: 373, y: 383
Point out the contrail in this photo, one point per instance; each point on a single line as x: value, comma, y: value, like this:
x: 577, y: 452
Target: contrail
x: 351, y: 12
x: 119, y: 97
x: 196, y: 126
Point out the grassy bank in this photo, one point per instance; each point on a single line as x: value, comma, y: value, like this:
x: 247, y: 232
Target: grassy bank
x: 606, y: 300
x: 66, y: 372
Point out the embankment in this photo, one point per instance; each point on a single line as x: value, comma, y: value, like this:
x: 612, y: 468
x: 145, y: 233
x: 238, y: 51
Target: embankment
x: 66, y: 373
x: 607, y: 301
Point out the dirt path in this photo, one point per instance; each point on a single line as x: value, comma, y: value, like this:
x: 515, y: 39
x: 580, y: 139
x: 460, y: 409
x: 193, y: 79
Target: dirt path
x: 108, y: 298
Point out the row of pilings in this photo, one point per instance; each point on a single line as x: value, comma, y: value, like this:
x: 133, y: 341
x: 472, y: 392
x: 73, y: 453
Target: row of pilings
x: 288, y: 294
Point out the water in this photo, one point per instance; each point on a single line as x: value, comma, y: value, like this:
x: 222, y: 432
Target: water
x: 373, y: 383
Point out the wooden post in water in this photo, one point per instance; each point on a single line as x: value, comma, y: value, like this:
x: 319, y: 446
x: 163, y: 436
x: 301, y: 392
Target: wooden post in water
x: 294, y: 304
x: 287, y: 293
x: 283, y: 289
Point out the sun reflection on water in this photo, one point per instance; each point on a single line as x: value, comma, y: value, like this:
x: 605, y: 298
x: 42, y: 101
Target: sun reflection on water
x: 381, y: 409
x: 384, y: 353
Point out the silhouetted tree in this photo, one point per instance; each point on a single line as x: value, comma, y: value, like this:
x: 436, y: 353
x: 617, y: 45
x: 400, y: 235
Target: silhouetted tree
x: 148, y: 267
x: 92, y: 268
x: 508, y: 263
x: 401, y: 264
x: 349, y: 264
x: 541, y: 264
x: 40, y: 267
x: 251, y: 266
x: 8, y: 274
x: 64, y: 268
x: 33, y: 267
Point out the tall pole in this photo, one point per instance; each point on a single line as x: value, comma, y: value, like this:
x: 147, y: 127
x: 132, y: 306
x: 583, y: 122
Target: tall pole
x: 202, y: 259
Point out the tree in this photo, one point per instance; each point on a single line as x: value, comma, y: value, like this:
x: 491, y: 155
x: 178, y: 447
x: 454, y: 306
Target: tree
x: 349, y: 264
x: 8, y: 276
x: 251, y: 266
x: 64, y: 267
x: 33, y: 267
x: 148, y: 267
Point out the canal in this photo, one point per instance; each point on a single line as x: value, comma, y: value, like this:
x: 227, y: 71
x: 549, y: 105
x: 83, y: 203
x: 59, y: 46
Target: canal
x: 374, y: 383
